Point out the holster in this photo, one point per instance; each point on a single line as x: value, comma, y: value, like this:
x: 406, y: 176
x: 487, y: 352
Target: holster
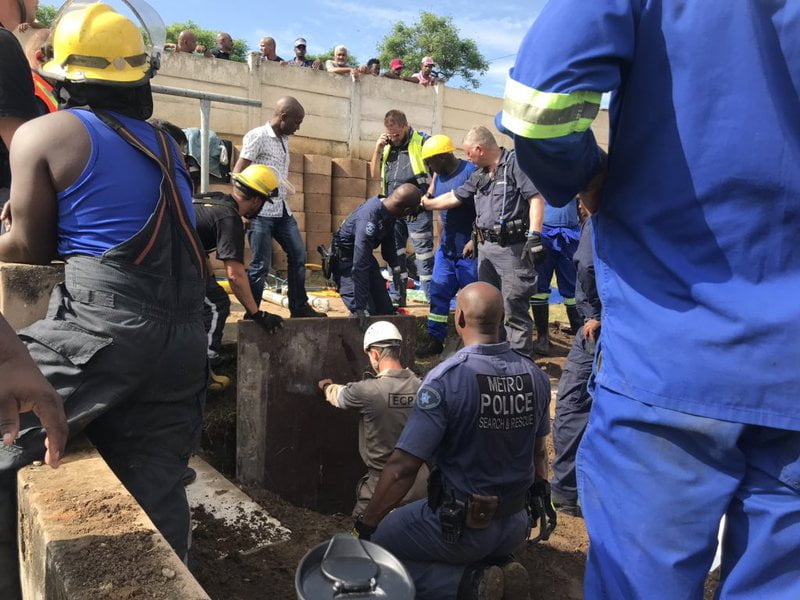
x: 511, y: 232
x: 452, y: 516
x: 330, y: 261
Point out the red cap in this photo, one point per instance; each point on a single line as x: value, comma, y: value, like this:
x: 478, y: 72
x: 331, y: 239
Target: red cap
x: 427, y: 61
x: 396, y: 63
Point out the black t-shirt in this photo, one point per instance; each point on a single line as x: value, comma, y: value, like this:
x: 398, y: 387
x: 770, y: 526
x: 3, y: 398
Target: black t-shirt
x: 16, y: 91
x: 220, y: 226
x: 217, y: 53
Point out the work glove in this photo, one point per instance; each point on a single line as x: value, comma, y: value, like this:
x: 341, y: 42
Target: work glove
x: 400, y: 286
x: 542, y: 510
x: 534, y: 253
x: 362, y: 316
x: 268, y: 321
x: 361, y: 530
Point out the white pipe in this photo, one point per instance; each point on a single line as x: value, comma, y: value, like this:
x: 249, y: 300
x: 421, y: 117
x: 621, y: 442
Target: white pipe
x: 281, y: 300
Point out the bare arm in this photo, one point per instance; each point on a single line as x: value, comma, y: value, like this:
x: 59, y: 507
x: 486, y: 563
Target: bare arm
x: 396, y: 479
x: 240, y: 285
x: 41, y: 168
x: 377, y: 156
x: 443, y: 202
x: 536, y: 213
x: 25, y: 389
x: 241, y: 165
x: 540, y: 457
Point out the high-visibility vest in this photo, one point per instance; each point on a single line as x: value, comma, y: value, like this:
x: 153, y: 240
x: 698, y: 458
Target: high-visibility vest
x: 414, y: 154
x: 44, y: 91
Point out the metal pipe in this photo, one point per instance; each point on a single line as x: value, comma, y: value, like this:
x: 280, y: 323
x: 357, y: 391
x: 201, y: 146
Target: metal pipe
x: 186, y: 93
x: 205, y: 117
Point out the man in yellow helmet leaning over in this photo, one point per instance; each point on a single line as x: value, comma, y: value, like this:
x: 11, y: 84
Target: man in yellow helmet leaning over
x: 123, y: 342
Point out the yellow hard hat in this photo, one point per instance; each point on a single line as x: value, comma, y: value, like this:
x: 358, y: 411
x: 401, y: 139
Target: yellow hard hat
x: 437, y: 144
x: 92, y: 43
x: 260, y: 179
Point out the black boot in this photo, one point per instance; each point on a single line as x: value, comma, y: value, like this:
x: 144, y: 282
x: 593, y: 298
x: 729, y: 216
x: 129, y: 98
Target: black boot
x: 541, y: 318
x: 430, y: 347
x: 575, y: 321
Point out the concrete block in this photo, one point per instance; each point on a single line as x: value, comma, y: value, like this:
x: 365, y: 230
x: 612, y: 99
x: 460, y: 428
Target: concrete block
x: 347, y: 186
x: 318, y: 203
x: 373, y: 187
x: 295, y: 162
x: 288, y: 438
x: 316, y: 184
x: 296, y: 179
x: 336, y: 222
x: 317, y: 164
x: 25, y: 291
x: 83, y: 537
x: 314, y: 239
x: 300, y: 217
x: 349, y: 167
x: 296, y: 201
x: 318, y: 222
x: 344, y: 205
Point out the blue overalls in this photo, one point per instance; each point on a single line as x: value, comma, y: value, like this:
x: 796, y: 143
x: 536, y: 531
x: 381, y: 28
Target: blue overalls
x: 451, y: 271
x: 358, y: 276
x: 477, y: 417
x: 573, y: 401
x: 560, y: 235
x: 695, y: 411
x: 123, y: 341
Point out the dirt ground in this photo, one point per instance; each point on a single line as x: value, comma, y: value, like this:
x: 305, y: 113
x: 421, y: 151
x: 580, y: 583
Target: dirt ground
x: 227, y: 567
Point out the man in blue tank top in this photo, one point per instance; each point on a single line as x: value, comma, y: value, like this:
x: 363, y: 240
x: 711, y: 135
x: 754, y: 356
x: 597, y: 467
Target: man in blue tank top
x: 123, y: 342
x: 455, y: 265
x: 482, y: 417
x: 697, y: 204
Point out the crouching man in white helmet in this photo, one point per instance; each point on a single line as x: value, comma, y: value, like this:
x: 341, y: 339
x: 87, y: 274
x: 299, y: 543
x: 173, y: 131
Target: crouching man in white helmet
x: 384, y: 402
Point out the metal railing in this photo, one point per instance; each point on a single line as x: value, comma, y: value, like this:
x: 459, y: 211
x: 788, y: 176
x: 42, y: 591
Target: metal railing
x: 206, y: 98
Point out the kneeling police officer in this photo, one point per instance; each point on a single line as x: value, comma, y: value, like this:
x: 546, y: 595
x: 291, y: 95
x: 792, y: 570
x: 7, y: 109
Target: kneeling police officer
x: 480, y: 416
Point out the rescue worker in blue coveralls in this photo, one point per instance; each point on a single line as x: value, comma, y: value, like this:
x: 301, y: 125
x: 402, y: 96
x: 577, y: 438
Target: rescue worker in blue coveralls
x: 357, y: 275
x: 398, y: 159
x: 573, y: 401
x: 455, y: 265
x: 123, y: 342
x: 482, y: 416
x: 695, y: 412
x: 509, y: 212
x: 561, y: 231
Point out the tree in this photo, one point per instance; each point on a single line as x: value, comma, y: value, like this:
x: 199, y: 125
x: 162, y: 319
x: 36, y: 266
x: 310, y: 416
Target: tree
x: 352, y: 61
x: 46, y: 14
x: 208, y: 38
x: 438, y: 38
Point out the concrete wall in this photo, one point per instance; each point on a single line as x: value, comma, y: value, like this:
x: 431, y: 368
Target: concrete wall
x: 343, y: 117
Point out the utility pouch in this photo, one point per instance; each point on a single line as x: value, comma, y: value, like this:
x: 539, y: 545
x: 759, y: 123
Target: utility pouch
x: 451, y: 516
x: 480, y: 511
x: 435, y: 489
x: 477, y: 236
x: 511, y: 232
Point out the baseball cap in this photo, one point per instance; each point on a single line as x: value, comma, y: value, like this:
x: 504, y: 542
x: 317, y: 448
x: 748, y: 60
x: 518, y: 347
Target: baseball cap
x: 300, y: 42
x: 396, y: 63
x: 427, y: 61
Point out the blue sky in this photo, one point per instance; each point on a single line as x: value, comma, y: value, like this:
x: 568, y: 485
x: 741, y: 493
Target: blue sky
x: 359, y: 25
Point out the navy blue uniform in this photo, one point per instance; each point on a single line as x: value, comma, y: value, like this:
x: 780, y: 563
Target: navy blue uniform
x: 477, y: 417
x: 695, y: 411
x: 451, y: 271
x: 574, y: 402
x: 358, y: 276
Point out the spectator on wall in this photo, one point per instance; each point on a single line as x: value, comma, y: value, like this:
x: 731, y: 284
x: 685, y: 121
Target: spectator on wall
x: 395, y: 71
x: 224, y: 46
x: 339, y: 63
x: 300, y: 59
x: 268, y: 53
x: 187, y: 44
x: 373, y: 67
x: 426, y: 76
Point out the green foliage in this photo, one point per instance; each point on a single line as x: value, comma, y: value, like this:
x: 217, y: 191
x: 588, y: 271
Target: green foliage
x: 46, y: 14
x: 208, y: 38
x: 352, y: 61
x: 438, y: 38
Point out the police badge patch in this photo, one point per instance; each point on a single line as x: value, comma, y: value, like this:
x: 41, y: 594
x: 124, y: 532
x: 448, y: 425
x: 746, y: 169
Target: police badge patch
x: 370, y: 228
x: 428, y: 398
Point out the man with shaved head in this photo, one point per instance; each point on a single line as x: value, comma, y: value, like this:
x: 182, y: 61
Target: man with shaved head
x: 269, y: 145
x: 268, y: 53
x: 481, y: 417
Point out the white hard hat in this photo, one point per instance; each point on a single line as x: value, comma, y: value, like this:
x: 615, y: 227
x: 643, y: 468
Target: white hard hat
x: 382, y: 333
